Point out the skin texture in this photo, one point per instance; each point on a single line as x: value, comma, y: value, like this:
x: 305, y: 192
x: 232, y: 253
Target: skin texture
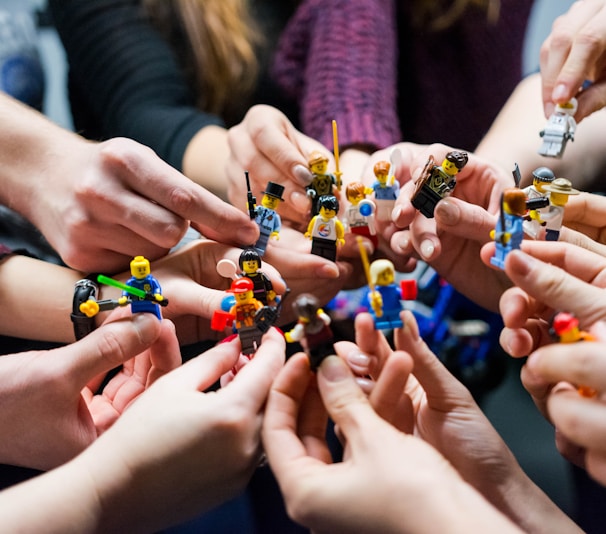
x: 96, y: 203
x: 174, y: 453
x: 572, y: 53
x: 552, y: 278
x: 52, y: 412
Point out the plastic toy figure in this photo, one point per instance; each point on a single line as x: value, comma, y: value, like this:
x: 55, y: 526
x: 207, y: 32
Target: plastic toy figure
x: 360, y: 215
x: 312, y: 329
x: 560, y: 129
x: 242, y: 315
x: 509, y: 230
x: 537, y: 200
x: 559, y: 190
x: 325, y: 230
x: 263, y: 290
x: 267, y: 218
x: 437, y: 182
x: 386, y: 189
x: 565, y: 327
x: 322, y: 183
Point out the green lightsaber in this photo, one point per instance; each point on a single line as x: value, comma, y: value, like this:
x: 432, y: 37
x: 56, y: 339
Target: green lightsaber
x: 102, y: 279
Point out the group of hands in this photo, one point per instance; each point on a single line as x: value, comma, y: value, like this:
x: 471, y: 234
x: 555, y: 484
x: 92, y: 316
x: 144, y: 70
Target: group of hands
x: 405, y: 422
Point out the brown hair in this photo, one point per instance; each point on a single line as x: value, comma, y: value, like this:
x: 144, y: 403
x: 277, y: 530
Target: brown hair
x: 442, y: 14
x: 381, y: 167
x: 218, y: 54
x: 516, y: 200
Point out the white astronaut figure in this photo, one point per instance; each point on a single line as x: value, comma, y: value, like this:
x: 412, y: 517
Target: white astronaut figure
x: 559, y: 129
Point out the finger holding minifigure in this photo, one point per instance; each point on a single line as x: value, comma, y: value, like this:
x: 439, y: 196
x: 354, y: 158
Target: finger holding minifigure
x: 573, y: 53
x: 268, y: 145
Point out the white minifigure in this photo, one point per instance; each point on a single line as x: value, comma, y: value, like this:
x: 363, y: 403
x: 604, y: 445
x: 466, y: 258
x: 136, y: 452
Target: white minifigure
x: 559, y: 129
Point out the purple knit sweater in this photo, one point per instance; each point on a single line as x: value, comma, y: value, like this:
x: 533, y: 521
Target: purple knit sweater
x: 339, y: 59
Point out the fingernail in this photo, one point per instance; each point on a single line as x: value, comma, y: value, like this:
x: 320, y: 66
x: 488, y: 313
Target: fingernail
x: 303, y: 174
x: 328, y: 270
x: 365, y: 384
x: 299, y: 201
x: 427, y: 249
x: 395, y: 214
x: 370, y: 250
x: 359, y: 359
x: 519, y: 262
x: 334, y: 369
x: 403, y: 243
x: 549, y: 109
x: 559, y: 92
x: 447, y: 213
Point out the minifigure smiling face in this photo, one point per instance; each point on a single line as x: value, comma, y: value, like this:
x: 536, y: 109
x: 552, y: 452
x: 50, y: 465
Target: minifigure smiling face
x: 139, y: 267
x: 449, y: 167
x: 327, y: 213
x: 250, y: 267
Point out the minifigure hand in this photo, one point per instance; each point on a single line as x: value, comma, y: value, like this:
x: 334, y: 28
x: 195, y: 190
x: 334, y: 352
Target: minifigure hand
x: 90, y: 308
x: 57, y: 413
x: 321, y: 495
x: 123, y: 301
x: 573, y: 53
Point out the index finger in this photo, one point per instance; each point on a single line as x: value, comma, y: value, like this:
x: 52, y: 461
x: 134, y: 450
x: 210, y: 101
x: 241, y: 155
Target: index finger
x: 158, y: 181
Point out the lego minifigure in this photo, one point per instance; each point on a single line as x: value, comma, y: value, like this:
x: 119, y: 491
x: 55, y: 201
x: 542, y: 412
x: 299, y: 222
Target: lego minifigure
x: 250, y: 263
x: 325, y: 230
x: 385, y: 296
x: 242, y: 315
x: 565, y: 327
x: 312, y: 329
x: 535, y: 192
x: 322, y: 183
x: 267, y: 218
x: 560, y: 129
x: 437, y: 182
x: 509, y: 232
x: 386, y: 189
x: 360, y: 215
x: 559, y: 190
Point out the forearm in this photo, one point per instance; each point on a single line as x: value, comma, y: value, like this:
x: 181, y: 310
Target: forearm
x: 514, y: 138
x: 31, y: 147
x: 205, y: 158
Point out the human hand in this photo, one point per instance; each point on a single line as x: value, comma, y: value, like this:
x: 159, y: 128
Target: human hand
x: 387, y: 478
x: 267, y: 145
x: 573, y: 53
x: 177, y: 452
x: 451, y: 241
x: 51, y: 411
x: 446, y: 416
x: 578, y: 420
x: 107, y: 200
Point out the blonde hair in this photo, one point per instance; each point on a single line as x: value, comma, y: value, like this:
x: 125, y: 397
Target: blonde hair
x: 221, y: 37
x: 442, y: 14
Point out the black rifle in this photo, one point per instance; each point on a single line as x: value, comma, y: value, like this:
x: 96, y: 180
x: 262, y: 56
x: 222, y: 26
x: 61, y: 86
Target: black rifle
x: 250, y: 199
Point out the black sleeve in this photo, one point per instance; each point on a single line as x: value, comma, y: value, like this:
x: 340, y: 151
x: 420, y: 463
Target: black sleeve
x: 124, y: 79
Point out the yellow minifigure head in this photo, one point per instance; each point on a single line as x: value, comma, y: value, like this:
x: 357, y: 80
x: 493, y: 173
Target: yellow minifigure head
x: 382, y: 272
x: 381, y: 170
x: 329, y: 206
x: 454, y: 162
x: 250, y: 261
x: 272, y: 196
x: 569, y: 108
x: 139, y: 267
x: 318, y: 162
x: 560, y: 190
x: 242, y: 288
x: 541, y: 177
x: 566, y: 327
x: 514, y: 201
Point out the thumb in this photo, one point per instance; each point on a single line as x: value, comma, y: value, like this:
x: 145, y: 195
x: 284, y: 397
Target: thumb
x: 464, y: 219
x: 344, y: 400
x: 110, y: 346
x: 555, y: 287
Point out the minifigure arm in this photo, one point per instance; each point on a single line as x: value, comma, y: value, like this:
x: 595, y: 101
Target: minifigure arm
x: 310, y: 227
x: 296, y: 334
x: 340, y: 232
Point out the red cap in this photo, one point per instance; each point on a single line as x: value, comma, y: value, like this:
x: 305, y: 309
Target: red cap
x: 241, y: 285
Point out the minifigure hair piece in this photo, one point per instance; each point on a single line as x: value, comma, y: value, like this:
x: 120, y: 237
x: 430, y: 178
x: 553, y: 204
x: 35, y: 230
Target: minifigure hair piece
x: 459, y: 159
x: 543, y: 174
x: 328, y: 202
x: 381, y: 168
x: 516, y: 200
x: 306, y: 306
x: 316, y: 157
x: 355, y: 190
x: 380, y: 266
x: 249, y: 254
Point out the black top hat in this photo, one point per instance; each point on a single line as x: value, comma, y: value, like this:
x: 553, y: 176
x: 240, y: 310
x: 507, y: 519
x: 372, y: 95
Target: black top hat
x: 274, y: 190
